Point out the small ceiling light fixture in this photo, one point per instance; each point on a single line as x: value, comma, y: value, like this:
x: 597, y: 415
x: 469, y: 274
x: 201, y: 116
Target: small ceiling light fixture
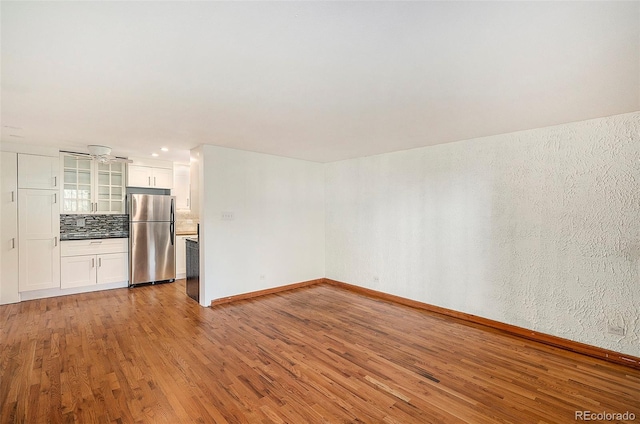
x: 155, y: 155
x: 164, y: 149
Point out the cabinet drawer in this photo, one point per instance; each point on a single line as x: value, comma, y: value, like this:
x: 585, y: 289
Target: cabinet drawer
x: 94, y: 247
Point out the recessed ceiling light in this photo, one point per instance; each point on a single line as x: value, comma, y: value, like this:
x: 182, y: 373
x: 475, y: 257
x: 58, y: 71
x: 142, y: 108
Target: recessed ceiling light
x: 155, y: 155
x: 164, y: 149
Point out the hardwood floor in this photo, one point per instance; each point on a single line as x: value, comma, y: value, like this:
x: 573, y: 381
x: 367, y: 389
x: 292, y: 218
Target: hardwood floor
x: 319, y: 354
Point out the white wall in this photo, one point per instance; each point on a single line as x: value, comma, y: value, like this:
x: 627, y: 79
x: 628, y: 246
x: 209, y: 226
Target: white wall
x: 277, y: 229
x: 540, y: 228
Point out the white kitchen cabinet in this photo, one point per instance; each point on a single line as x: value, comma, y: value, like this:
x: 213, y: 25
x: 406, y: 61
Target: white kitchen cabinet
x: 37, y: 171
x: 112, y: 268
x: 109, y: 187
x: 9, y: 291
x: 163, y: 178
x: 77, y: 271
x: 93, y: 262
x: 147, y: 176
x: 138, y: 176
x: 181, y: 256
x: 92, y: 187
x: 39, y: 232
x: 181, y: 187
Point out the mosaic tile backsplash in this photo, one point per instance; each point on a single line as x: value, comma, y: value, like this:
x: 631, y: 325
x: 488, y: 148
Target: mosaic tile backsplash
x: 95, y: 226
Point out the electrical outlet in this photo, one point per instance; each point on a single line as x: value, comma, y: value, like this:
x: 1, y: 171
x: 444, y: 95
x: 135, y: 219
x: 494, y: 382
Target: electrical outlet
x: 262, y: 276
x: 227, y: 216
x: 81, y: 222
x: 615, y: 329
x: 376, y: 279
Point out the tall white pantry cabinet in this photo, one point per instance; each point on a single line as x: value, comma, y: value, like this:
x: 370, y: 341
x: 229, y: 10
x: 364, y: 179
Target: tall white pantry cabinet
x: 38, y: 222
x: 30, y: 245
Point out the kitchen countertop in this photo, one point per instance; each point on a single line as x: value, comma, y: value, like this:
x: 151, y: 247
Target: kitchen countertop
x: 90, y: 236
x: 186, y: 233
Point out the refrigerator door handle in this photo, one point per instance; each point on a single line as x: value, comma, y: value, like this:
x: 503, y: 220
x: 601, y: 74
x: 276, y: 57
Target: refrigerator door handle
x: 172, y: 235
x: 173, y: 221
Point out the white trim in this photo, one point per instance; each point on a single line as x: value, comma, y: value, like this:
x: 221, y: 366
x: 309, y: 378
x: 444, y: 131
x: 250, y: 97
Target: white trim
x: 42, y: 294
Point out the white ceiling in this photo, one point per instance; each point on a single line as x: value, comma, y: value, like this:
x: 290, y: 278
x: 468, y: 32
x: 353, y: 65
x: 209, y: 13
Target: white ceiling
x: 320, y: 81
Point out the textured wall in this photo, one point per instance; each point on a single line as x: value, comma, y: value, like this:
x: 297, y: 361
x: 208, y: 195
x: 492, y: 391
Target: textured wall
x: 539, y: 229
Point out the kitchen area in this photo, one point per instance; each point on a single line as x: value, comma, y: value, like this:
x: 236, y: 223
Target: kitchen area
x: 67, y: 227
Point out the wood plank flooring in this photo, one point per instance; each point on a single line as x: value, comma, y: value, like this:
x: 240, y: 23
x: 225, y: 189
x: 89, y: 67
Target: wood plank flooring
x: 319, y: 354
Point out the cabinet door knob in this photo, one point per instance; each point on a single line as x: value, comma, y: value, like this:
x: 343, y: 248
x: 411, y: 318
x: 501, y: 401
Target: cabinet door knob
x: 149, y: 181
x: 55, y: 181
x: 93, y: 262
x: 99, y: 261
x: 55, y: 241
x: 13, y: 243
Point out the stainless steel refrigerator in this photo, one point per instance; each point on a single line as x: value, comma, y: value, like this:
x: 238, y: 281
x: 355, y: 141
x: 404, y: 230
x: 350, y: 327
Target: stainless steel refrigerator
x: 152, y: 238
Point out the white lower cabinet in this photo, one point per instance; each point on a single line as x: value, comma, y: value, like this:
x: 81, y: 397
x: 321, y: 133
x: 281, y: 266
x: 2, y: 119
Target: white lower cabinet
x: 77, y: 271
x: 91, y: 262
x: 112, y: 268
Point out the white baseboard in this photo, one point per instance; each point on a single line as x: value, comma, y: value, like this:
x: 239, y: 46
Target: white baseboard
x: 41, y: 294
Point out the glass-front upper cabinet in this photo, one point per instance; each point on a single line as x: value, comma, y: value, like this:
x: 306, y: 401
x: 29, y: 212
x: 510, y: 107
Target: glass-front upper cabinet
x: 110, y: 188
x: 91, y: 187
x: 77, y: 184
